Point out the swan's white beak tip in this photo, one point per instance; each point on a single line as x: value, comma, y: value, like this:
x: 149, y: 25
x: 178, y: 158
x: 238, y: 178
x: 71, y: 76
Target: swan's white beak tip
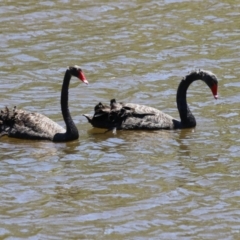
x: 85, y: 81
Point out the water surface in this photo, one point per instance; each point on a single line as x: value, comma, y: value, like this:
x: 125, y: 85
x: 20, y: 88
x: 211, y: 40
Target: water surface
x: 181, y: 184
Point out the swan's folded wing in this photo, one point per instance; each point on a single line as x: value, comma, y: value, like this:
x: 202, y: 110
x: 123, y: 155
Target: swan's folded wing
x: 33, y: 126
x: 142, y: 109
x: 133, y: 116
x: 149, y: 122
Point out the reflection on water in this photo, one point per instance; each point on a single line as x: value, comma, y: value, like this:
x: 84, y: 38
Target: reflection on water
x: 181, y: 184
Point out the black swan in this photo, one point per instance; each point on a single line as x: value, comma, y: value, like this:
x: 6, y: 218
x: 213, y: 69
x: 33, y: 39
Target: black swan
x: 135, y: 116
x: 26, y: 125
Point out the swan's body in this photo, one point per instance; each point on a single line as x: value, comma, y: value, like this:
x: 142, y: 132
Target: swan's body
x: 134, y: 116
x: 23, y: 124
x: 19, y: 123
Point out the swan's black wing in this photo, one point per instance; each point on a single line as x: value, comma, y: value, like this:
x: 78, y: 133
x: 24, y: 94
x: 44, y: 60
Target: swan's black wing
x: 148, y: 121
x: 130, y: 116
x: 23, y: 124
x: 143, y: 117
x: 142, y: 109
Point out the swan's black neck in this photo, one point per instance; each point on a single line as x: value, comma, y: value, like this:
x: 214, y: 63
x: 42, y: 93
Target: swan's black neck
x: 71, y: 129
x: 186, y: 116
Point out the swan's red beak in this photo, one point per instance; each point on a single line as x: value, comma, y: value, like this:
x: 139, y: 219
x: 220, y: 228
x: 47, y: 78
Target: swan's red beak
x: 214, y: 89
x: 82, y: 77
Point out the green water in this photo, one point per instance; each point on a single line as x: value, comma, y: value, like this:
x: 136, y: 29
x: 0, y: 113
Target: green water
x: 132, y: 185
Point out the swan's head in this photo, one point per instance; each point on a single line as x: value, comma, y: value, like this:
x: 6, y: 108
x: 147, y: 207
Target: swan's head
x: 76, y: 71
x: 211, y: 80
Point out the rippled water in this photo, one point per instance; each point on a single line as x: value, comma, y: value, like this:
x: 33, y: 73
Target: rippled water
x: 181, y: 184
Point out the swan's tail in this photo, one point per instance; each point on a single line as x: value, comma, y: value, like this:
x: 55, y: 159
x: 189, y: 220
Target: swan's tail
x: 7, y: 120
x: 89, y: 118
